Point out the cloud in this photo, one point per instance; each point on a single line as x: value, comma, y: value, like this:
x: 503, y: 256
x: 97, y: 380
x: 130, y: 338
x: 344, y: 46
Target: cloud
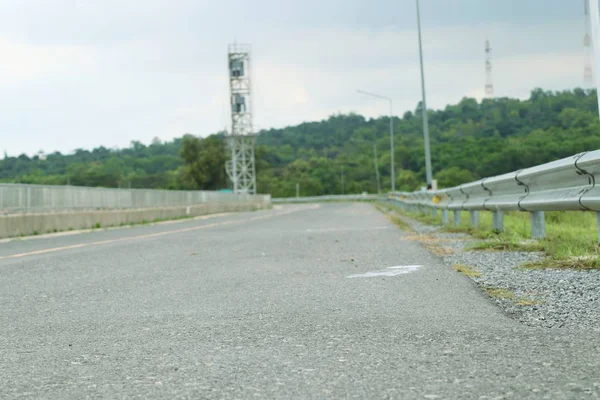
x: 25, y: 63
x: 331, y: 65
x: 83, y: 73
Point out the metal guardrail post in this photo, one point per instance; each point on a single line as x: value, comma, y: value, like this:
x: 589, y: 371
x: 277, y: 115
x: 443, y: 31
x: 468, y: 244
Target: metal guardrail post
x: 456, y: 217
x: 538, y: 225
x: 474, y: 218
x: 498, y: 219
x: 445, y: 217
x: 434, y: 212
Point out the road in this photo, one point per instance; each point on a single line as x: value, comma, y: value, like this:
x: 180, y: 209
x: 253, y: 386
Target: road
x: 272, y: 304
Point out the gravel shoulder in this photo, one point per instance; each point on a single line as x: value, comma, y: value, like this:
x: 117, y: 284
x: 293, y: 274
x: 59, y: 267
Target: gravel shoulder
x: 540, y: 298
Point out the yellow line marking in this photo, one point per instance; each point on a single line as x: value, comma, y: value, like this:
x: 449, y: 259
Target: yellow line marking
x: 153, y: 235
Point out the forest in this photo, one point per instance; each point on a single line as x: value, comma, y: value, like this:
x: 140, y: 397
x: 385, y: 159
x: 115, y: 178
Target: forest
x: 469, y: 140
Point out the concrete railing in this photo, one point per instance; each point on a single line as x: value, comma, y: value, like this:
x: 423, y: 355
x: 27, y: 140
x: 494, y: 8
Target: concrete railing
x: 564, y: 185
x: 33, y: 209
x: 18, y: 198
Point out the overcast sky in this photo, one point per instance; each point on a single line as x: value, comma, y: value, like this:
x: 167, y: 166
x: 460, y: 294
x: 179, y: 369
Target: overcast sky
x: 84, y: 73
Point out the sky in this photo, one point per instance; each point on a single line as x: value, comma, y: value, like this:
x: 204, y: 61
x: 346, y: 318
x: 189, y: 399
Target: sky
x: 88, y: 73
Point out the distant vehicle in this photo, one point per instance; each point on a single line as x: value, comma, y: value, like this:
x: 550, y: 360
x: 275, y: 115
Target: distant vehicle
x: 225, y: 190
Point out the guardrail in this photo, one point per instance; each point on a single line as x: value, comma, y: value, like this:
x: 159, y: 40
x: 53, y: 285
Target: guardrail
x: 318, y: 199
x: 19, y: 198
x: 564, y: 185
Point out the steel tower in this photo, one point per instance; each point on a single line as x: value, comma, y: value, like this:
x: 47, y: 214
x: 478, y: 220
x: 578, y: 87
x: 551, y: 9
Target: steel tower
x: 241, y: 139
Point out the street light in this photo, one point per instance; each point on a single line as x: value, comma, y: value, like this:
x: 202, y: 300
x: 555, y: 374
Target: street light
x: 393, y: 172
x: 375, y: 160
x: 592, y: 7
x: 425, y: 117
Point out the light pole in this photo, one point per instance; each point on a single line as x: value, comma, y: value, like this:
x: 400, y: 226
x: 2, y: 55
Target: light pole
x: 425, y: 117
x: 393, y: 169
x: 595, y: 24
x: 375, y: 161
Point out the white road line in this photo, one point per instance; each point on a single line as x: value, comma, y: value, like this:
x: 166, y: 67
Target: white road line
x: 390, y: 271
x: 154, y: 235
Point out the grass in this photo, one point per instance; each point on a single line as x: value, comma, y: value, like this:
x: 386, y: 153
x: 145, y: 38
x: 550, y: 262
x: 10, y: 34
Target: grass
x: 439, y: 250
x: 424, y: 218
x: 574, y: 263
x: 400, y: 223
x: 571, y: 236
x: 499, y: 293
x: 463, y: 269
x: 502, y: 244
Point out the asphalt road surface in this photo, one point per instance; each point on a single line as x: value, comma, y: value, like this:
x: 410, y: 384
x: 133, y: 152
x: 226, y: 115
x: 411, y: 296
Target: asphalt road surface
x: 296, y: 302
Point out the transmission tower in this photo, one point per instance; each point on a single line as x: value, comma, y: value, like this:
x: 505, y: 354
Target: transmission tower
x: 241, y: 139
x: 489, y: 83
x: 588, y: 74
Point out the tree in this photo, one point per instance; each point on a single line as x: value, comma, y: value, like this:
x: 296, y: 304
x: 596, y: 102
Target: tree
x: 469, y: 140
x: 407, y: 181
x: 204, y: 162
x: 454, y: 176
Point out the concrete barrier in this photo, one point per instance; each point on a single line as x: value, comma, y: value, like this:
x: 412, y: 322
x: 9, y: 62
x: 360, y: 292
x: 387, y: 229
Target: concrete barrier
x: 13, y: 225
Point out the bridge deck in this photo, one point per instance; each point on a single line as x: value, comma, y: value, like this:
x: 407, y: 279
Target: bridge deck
x: 276, y: 304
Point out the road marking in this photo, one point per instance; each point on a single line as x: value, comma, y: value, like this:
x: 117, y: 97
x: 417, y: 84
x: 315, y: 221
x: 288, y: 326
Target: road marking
x: 374, y: 228
x: 154, y: 235
x: 391, y: 271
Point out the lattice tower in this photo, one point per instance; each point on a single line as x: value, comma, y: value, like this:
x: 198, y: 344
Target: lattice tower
x: 241, y: 140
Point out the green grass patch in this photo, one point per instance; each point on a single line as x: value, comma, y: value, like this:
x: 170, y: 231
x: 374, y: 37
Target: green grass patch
x: 400, y: 223
x: 463, y: 269
x: 383, y: 207
x: 588, y: 263
x: 500, y: 244
x: 424, y: 218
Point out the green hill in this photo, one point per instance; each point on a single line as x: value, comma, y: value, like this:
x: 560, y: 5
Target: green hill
x: 469, y: 140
